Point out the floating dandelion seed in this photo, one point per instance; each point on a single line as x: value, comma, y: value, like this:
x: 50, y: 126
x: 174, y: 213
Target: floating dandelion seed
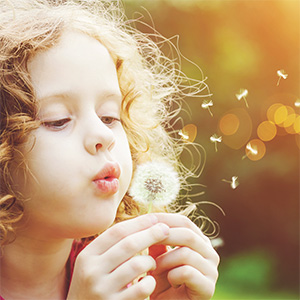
x: 297, y: 103
x: 188, y: 133
x: 233, y: 182
x: 252, y: 149
x: 281, y: 74
x: 215, y: 139
x: 242, y: 95
x: 184, y: 136
x: 206, y: 105
x: 217, y: 242
x: 155, y: 183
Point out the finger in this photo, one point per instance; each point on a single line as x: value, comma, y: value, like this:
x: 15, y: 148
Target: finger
x: 176, y: 220
x: 130, y: 270
x: 118, y: 231
x: 133, y: 244
x: 179, y: 257
x: 197, y: 284
x: 182, y: 256
x: 140, y: 290
x: 189, y: 238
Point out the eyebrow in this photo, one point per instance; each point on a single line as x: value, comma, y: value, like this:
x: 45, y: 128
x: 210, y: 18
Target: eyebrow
x: 67, y: 95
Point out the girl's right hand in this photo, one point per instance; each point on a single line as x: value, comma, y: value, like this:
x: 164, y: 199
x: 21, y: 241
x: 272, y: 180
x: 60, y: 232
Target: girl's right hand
x: 107, y: 266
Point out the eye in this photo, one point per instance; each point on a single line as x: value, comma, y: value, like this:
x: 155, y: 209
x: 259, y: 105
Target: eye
x: 57, y: 124
x: 107, y: 120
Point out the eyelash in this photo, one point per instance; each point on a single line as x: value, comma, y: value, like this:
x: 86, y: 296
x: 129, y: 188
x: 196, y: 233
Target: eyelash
x: 57, y: 124
x: 61, y: 123
x: 107, y: 120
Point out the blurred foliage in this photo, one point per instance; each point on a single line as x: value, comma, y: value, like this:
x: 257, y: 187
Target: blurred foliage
x: 241, y: 44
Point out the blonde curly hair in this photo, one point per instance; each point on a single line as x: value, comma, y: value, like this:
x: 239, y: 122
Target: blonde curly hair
x: 150, y: 84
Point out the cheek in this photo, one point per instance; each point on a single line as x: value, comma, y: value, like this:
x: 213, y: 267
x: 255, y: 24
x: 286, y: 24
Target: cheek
x: 123, y: 155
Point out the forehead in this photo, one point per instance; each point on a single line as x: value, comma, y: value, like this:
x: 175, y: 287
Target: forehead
x: 77, y: 60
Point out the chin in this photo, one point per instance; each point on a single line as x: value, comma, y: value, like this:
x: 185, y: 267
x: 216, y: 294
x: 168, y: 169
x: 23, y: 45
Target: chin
x: 92, y: 229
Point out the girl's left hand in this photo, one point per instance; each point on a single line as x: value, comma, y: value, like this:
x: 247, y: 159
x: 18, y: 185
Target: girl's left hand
x: 189, y: 271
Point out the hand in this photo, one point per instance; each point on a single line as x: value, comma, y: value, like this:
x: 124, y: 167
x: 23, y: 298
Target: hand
x: 189, y: 271
x: 107, y: 265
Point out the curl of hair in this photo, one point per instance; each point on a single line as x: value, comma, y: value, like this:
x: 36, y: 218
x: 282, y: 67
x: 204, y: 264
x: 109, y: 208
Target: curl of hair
x: 151, y: 84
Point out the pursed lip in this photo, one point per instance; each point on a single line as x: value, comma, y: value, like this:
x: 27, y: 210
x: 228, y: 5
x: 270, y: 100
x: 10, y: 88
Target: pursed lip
x: 107, y: 180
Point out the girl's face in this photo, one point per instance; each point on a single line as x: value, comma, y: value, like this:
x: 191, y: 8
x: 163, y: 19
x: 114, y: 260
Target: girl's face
x: 79, y: 159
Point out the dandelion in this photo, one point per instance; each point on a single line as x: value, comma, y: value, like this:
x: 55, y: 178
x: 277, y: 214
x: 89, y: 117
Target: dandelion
x: 281, y: 74
x: 233, y: 182
x: 216, y: 139
x: 155, y: 183
x: 242, y: 95
x: 207, y: 104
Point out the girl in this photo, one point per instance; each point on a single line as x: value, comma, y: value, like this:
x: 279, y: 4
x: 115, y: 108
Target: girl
x: 84, y: 98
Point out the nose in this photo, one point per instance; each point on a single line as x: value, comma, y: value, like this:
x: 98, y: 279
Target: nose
x: 98, y: 137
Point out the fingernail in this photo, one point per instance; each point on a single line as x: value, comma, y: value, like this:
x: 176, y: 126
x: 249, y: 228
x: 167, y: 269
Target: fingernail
x: 165, y: 229
x: 153, y: 218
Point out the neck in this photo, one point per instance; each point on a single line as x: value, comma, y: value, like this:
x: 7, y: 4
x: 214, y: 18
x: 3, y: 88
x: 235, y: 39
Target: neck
x: 34, y: 269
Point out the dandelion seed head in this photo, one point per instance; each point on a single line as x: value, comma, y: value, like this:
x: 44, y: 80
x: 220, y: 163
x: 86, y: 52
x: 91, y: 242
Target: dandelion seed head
x: 154, y: 185
x: 155, y: 182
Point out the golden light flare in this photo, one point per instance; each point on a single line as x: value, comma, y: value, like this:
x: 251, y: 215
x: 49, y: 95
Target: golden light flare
x: 266, y: 131
x: 297, y: 124
x: 280, y: 115
x: 255, y: 150
x: 271, y: 111
x: 229, y: 124
x: 188, y: 133
x: 236, y: 127
x: 297, y: 137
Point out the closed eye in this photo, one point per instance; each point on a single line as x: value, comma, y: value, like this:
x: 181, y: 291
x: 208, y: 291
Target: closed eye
x: 56, y: 124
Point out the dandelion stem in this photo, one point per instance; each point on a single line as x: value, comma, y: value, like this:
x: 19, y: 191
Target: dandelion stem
x: 150, y: 207
x: 278, y: 81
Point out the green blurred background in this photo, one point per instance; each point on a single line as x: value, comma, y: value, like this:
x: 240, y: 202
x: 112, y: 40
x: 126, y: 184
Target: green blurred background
x: 242, y: 44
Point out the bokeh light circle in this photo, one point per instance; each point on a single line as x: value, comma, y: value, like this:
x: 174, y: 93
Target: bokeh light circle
x: 271, y: 111
x: 280, y: 115
x: 266, y: 131
x: 297, y: 124
x: 255, y: 149
x: 229, y: 124
x: 235, y: 127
